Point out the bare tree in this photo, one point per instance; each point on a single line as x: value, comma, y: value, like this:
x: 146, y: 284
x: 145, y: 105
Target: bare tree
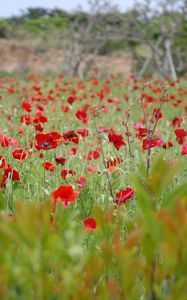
x: 87, y: 35
x: 154, y: 27
x: 167, y: 15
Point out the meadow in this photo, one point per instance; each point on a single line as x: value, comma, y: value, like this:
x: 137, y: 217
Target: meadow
x: 93, y: 188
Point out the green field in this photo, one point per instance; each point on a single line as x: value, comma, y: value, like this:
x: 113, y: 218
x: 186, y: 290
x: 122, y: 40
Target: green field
x: 93, y: 189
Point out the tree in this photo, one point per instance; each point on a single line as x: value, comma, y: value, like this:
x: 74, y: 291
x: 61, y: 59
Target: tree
x: 157, y: 28
x: 86, y: 36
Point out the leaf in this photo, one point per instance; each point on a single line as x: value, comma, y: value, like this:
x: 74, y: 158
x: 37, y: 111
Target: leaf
x: 162, y: 175
x: 143, y: 199
x: 179, y: 193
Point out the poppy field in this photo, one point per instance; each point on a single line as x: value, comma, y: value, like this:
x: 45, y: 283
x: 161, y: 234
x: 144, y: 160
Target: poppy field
x: 93, y: 189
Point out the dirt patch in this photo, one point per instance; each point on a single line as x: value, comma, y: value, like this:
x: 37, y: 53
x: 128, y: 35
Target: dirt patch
x: 26, y: 58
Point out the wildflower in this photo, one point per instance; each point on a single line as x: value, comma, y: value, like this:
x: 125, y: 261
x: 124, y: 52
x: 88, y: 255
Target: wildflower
x: 81, y: 182
x: 48, y: 166
x: 48, y: 141
x: 66, y: 194
x: 124, y: 195
x: 117, y: 140
x: 92, y: 154
x: 148, y: 143
x: 26, y: 106
x: 19, y: 154
x: 184, y: 149
x: 90, y: 224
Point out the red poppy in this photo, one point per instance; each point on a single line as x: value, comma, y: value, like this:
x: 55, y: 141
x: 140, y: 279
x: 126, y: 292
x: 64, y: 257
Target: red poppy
x: 12, y: 173
x: 124, y: 195
x: 40, y: 118
x: 92, y: 154
x: 26, y: 106
x: 82, y: 116
x: 157, y: 113
x: 167, y: 145
x: 148, y: 144
x: 26, y: 119
x: 71, y: 99
x: 180, y: 135
x: 184, y: 149
x: 71, y: 136
x: 48, y: 141
x: 60, y: 160
x: 176, y: 122
x: 83, y: 132
x: 64, y: 173
x: 66, y: 194
x: 142, y: 132
x: 117, y: 140
x: 65, y: 108
x: 112, y: 163
x: 9, y: 173
x: 90, y: 224
x: 2, y: 162
x: 48, y: 166
x: 72, y: 151
x: 4, y: 141
x: 19, y: 154
x: 81, y: 182
x: 39, y: 127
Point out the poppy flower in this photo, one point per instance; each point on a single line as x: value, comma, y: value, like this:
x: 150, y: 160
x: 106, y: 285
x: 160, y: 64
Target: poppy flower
x: 180, y: 135
x: 148, y: 144
x: 112, y: 163
x: 60, y: 160
x: 19, y: 154
x: 92, y: 154
x: 167, y: 145
x: 71, y: 99
x: 9, y: 173
x: 157, y: 113
x: 12, y: 173
x: 66, y: 194
x: 64, y: 173
x: 40, y: 118
x: 184, y: 149
x: 26, y: 119
x: 26, y: 106
x: 142, y: 132
x: 176, y: 122
x: 117, y: 140
x: 103, y: 129
x: 82, y: 116
x: 124, y: 195
x: 48, y: 166
x: 39, y: 127
x: 71, y: 136
x: 81, y: 182
x: 83, y: 132
x: 90, y: 224
x: 72, y: 151
x: 2, y: 162
x: 47, y: 141
x: 4, y: 141
x: 92, y: 169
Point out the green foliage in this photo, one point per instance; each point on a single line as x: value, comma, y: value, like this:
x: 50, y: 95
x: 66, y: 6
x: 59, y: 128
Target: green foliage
x: 124, y: 258
x: 4, y: 27
x: 45, y: 23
